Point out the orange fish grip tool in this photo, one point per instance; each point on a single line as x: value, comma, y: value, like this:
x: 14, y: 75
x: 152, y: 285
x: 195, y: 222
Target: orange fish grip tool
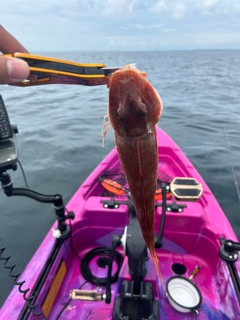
x: 55, y: 71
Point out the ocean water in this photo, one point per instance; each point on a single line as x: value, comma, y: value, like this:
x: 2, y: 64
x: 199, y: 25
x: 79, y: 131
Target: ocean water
x: 59, y: 140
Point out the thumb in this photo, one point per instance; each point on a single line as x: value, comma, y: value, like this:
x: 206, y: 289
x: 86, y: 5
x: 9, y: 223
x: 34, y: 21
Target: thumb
x: 12, y: 70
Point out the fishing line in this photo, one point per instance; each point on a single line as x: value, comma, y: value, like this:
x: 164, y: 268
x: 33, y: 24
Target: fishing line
x: 23, y: 173
x: 219, y: 172
x: 226, y: 128
x: 221, y: 165
x: 233, y: 171
x: 227, y: 149
x: 209, y: 151
x: 227, y: 124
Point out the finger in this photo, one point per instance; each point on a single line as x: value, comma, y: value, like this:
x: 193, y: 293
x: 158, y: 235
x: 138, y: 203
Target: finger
x: 8, y: 44
x: 12, y: 70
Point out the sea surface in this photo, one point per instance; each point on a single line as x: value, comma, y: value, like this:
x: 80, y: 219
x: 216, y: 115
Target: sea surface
x: 59, y: 140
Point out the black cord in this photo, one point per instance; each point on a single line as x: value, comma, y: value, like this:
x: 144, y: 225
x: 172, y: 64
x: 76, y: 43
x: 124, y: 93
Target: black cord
x: 71, y: 238
x: 159, y: 238
x: 70, y: 299
x: 29, y: 299
x: 23, y: 173
x: 116, y: 241
x: 102, y: 251
x: 20, y: 284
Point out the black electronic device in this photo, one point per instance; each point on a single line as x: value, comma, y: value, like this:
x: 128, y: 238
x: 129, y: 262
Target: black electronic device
x: 6, y: 130
x: 8, y: 146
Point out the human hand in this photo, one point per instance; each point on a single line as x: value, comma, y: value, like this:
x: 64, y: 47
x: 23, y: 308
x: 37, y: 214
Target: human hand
x: 12, y: 70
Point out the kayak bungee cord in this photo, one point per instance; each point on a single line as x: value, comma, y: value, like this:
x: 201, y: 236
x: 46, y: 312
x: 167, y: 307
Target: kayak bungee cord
x: 29, y: 300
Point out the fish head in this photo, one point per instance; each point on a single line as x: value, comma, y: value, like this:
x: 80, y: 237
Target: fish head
x: 135, y: 106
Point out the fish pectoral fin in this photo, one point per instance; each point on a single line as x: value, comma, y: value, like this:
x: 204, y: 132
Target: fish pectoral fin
x: 105, y: 129
x: 106, y: 117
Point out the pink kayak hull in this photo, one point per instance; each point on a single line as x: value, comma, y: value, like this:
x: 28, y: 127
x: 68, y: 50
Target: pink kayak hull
x: 190, y: 238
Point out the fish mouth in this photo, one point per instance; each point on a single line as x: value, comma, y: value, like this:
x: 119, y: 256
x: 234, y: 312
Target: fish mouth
x: 126, y: 75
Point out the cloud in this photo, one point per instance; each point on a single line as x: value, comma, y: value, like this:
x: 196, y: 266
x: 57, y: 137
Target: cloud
x: 122, y: 24
x: 116, y: 6
x: 175, y: 9
x: 210, y: 3
x: 104, y: 6
x: 169, y: 30
x: 178, y: 9
x: 145, y: 26
x: 159, y: 6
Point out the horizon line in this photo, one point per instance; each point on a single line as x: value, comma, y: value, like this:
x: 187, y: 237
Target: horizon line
x: 136, y: 50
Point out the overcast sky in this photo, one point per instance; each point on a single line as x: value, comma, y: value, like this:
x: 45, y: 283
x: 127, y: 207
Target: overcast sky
x: 126, y: 25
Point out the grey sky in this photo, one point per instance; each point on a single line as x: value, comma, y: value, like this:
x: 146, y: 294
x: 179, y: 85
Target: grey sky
x: 67, y: 25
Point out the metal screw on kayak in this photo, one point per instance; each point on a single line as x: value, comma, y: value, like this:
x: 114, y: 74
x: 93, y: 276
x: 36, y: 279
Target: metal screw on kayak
x: 168, y: 209
x: 105, y: 205
x: 230, y: 256
x: 116, y: 206
x: 180, y: 210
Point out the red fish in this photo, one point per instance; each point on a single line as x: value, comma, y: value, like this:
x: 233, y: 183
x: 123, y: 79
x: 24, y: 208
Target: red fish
x: 134, y: 109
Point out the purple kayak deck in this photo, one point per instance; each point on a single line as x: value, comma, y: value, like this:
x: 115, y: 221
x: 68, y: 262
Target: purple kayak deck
x: 190, y: 238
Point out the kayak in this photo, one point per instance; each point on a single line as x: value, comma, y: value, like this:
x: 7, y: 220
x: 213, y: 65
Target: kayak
x: 94, y: 264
